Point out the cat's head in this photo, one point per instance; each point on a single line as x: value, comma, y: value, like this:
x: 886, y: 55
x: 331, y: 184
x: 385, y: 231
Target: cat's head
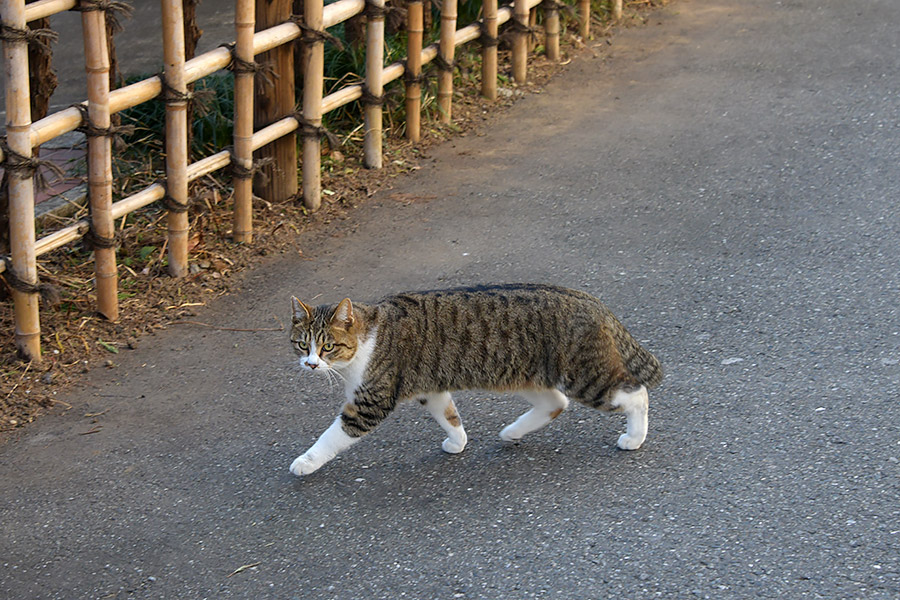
x: 325, y: 337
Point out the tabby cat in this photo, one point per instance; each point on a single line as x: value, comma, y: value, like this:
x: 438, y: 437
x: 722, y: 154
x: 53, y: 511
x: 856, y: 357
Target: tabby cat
x: 548, y: 343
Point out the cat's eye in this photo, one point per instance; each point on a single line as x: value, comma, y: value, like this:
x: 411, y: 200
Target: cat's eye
x: 328, y: 347
x: 302, y: 345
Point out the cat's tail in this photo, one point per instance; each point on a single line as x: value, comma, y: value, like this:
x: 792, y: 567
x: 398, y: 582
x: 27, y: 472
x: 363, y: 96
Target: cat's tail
x: 638, y: 361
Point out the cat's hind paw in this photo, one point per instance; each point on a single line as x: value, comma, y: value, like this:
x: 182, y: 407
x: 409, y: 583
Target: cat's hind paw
x: 303, y: 465
x: 509, y: 434
x: 453, y: 447
x: 627, y: 442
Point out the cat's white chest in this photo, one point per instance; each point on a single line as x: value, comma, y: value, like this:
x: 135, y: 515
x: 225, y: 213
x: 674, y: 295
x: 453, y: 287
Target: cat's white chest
x: 354, y: 371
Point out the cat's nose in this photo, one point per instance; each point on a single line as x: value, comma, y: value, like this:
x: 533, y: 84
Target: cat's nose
x: 312, y: 365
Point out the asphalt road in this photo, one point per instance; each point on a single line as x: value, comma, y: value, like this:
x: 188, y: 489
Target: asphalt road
x: 725, y: 178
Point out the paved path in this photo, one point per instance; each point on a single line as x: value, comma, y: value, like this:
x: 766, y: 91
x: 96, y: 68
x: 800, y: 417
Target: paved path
x: 726, y: 179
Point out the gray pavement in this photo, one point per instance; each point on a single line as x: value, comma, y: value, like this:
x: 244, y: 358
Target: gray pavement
x: 725, y: 178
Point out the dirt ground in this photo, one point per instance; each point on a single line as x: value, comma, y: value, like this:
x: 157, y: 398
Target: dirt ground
x: 76, y: 340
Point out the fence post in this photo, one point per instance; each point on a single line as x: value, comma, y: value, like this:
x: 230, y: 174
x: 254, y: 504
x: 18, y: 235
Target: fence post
x: 414, y: 26
x: 616, y: 9
x: 242, y: 157
x: 275, y: 99
x: 374, y: 98
x: 551, y: 26
x: 21, y: 186
x: 520, y: 41
x: 489, y: 43
x: 313, y: 84
x: 103, y: 229
x: 445, y: 59
x: 176, y: 99
x: 584, y: 16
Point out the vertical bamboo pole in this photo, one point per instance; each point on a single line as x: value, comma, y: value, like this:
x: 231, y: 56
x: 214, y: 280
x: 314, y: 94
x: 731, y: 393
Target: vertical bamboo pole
x: 489, y: 51
x: 551, y: 27
x: 96, y: 60
x: 374, y: 68
x: 176, y: 135
x: 313, y: 84
x: 21, y: 186
x: 520, y: 42
x: 447, y: 53
x: 275, y: 99
x: 616, y: 9
x: 244, y: 25
x: 414, y: 25
x: 584, y: 16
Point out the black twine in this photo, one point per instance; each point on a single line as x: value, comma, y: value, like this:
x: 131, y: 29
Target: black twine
x: 370, y: 99
x: 308, y: 130
x: 173, y: 205
x: 113, y: 8
x: 239, y: 171
x: 41, y: 38
x: 486, y: 39
x: 24, y: 167
x: 96, y: 241
x: 443, y: 64
x: 311, y: 36
x: 170, y: 95
x: 49, y: 292
x: 91, y: 130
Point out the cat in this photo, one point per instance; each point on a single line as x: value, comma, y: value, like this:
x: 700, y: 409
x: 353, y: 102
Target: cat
x: 547, y: 343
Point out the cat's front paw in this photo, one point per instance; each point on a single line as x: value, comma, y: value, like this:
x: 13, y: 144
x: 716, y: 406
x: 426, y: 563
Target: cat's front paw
x: 627, y: 442
x: 454, y: 447
x: 304, y: 465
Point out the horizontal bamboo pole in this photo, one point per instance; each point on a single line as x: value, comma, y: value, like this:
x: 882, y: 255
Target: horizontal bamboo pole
x: 341, y: 11
x: 69, y: 119
x: 46, y: 8
x: 204, y: 65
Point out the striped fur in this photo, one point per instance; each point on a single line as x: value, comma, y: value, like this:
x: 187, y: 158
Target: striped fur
x: 498, y: 337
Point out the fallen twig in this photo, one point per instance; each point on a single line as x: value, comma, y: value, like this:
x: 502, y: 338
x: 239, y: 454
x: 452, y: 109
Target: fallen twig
x: 243, y: 568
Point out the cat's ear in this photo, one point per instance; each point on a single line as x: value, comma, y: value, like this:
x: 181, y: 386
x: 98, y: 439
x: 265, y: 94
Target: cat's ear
x: 343, y: 314
x: 300, y: 310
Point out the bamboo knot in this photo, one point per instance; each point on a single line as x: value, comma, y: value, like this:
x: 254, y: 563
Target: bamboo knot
x: 409, y: 78
x: 91, y: 130
x: 170, y: 95
x: 558, y: 6
x: 516, y: 27
x: 311, y: 35
x: 24, y: 167
x: 395, y: 15
x: 174, y: 206
x: 443, y: 64
x: 487, y: 40
x: 309, y: 130
x: 240, y: 66
x: 42, y: 38
x: 113, y: 9
x: 239, y: 171
x: 49, y: 293
x: 96, y: 241
x: 370, y: 99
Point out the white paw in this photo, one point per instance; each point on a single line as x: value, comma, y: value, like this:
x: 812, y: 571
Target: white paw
x: 303, y: 465
x: 509, y: 434
x: 451, y: 447
x: 627, y: 442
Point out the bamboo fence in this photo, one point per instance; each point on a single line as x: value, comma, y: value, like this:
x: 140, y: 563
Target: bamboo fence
x: 94, y: 116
